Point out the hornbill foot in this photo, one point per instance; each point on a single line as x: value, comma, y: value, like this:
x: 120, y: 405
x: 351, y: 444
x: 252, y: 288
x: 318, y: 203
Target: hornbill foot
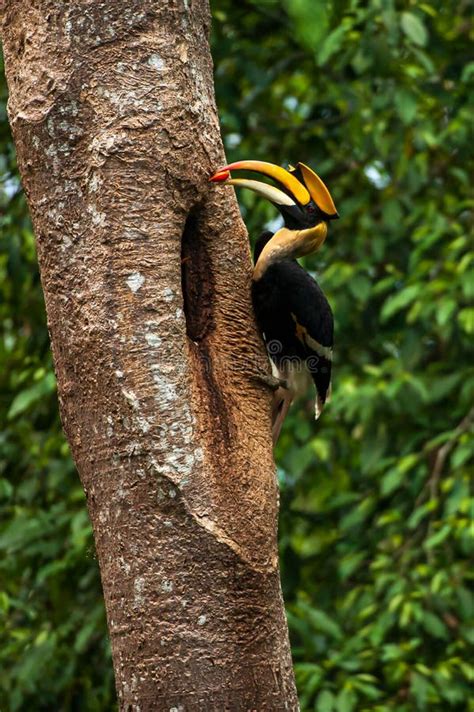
x: 268, y: 380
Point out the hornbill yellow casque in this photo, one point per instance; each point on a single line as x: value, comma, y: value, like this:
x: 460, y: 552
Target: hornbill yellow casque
x: 292, y: 313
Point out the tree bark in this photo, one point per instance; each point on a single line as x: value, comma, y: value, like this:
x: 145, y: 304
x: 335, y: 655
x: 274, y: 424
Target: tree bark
x: 145, y: 269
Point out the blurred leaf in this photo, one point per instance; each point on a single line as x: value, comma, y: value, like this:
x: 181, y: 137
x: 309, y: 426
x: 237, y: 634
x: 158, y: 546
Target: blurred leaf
x: 325, y: 702
x: 399, y: 301
x: 438, y: 538
x: 434, y: 626
x: 321, y: 621
x: 331, y: 44
x: 414, y: 28
x: 466, y: 319
x: 346, y: 700
x: 32, y: 395
x: 311, y: 21
x: 406, y: 104
x: 446, y: 311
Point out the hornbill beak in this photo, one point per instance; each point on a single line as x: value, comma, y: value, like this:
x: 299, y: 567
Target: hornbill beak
x: 300, y: 185
x: 270, y: 192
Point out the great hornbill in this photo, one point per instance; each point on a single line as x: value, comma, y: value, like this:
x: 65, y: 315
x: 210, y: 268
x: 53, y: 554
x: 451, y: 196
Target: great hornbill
x: 291, y: 311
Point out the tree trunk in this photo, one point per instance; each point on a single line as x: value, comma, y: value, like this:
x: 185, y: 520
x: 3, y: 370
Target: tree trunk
x: 145, y: 269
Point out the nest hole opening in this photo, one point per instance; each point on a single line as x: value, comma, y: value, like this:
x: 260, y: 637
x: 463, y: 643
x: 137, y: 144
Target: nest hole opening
x: 196, y: 279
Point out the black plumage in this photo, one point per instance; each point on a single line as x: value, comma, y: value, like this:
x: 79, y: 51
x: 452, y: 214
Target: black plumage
x: 295, y: 320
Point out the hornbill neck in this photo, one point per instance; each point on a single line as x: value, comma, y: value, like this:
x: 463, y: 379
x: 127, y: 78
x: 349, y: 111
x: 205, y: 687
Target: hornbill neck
x: 289, y: 244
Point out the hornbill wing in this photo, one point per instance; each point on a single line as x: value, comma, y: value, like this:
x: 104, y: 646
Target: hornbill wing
x: 313, y: 328
x: 296, y: 320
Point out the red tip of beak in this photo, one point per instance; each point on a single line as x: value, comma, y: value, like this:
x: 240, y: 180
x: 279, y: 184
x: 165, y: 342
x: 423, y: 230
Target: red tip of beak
x: 220, y: 176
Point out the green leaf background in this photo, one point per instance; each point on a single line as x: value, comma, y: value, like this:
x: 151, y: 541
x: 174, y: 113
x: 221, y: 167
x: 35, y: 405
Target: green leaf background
x: 376, y: 534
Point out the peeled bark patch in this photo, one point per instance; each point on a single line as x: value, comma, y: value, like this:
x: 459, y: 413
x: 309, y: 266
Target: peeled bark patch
x: 146, y: 272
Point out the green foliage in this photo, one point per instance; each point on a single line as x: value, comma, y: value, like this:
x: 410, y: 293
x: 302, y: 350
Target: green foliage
x: 377, y: 506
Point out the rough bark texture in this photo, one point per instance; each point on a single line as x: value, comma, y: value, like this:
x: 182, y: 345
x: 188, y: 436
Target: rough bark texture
x: 145, y: 270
